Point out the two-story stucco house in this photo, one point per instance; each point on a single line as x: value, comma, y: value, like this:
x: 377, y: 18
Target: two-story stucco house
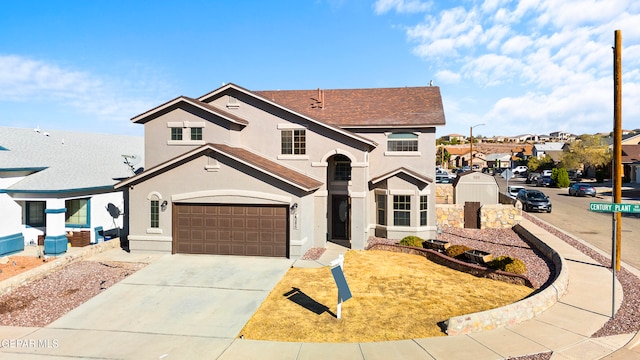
x: 275, y: 173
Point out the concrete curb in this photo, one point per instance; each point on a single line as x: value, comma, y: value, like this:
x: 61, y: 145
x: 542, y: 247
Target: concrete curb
x: 14, y: 282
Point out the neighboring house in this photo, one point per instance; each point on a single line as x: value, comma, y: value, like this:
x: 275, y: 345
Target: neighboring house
x: 59, y: 181
x: 275, y: 173
x: 497, y: 160
x: 451, y: 137
x: 562, y: 135
x: 632, y: 139
x: 553, y: 149
x: 631, y: 162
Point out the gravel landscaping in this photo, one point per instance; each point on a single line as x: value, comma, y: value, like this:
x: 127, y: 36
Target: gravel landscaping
x: 44, y: 300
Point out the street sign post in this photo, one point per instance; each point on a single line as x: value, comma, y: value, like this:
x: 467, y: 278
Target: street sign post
x: 614, y: 207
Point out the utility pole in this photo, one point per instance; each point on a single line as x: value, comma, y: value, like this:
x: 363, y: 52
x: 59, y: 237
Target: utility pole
x: 471, y: 145
x: 617, y: 143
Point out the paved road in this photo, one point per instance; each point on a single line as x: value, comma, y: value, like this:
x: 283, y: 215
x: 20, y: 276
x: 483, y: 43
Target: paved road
x: 572, y: 215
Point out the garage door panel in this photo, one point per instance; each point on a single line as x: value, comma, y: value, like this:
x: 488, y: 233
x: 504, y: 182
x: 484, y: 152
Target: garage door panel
x: 231, y: 230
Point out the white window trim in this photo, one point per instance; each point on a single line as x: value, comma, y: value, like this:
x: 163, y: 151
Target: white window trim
x: 403, y: 153
x: 185, y: 142
x: 288, y: 126
x: 293, y: 157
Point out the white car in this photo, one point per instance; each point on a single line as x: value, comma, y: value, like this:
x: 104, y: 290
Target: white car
x: 520, y: 169
x: 512, y: 190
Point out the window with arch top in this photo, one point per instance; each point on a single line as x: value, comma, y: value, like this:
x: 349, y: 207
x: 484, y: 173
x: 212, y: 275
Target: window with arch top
x: 402, y: 142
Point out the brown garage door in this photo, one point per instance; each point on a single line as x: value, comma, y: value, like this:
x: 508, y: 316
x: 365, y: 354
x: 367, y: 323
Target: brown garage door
x: 230, y: 230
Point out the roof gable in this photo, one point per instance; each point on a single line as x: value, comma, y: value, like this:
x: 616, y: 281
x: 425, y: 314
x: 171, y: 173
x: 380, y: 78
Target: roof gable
x: 177, y: 102
x: 244, y: 156
x: 220, y: 91
x: 401, y: 170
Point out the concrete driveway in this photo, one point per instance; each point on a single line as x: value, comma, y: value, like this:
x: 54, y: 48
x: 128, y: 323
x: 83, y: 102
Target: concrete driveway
x: 192, y: 305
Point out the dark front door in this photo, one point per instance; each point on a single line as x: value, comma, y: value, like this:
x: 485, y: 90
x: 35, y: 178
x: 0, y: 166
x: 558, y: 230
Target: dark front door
x: 340, y: 217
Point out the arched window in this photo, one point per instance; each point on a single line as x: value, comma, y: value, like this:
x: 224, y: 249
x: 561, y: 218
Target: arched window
x: 342, y: 170
x: 402, y: 142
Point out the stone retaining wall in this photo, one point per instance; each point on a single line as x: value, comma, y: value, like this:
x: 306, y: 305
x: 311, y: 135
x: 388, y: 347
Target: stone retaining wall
x: 499, y: 216
x: 522, y: 310
x: 450, y: 215
x: 14, y: 282
x: 495, y: 216
x: 444, y: 193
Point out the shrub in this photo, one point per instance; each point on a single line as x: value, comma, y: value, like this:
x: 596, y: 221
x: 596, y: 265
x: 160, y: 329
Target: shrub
x: 456, y: 251
x: 600, y: 175
x: 411, y: 240
x: 508, y: 264
x: 561, y: 177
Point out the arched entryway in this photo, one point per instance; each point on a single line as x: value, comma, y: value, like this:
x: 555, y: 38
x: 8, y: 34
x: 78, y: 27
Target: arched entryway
x: 339, y: 202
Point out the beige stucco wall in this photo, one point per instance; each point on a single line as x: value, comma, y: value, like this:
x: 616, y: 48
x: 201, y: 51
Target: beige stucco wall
x: 262, y: 136
x: 191, y: 183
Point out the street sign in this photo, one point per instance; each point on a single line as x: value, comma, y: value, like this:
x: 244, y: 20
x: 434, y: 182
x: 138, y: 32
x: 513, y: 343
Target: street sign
x: 507, y: 174
x: 614, y: 207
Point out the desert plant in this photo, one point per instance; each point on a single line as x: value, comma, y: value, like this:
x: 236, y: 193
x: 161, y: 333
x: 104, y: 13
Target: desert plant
x: 508, y: 264
x: 456, y: 251
x: 411, y: 240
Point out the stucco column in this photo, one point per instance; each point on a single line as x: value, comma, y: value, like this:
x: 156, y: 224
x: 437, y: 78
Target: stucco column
x: 56, y: 240
x: 358, y: 221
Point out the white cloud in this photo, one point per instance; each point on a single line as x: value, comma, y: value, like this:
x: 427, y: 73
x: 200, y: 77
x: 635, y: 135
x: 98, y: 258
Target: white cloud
x: 24, y: 79
x: 540, y: 63
x: 401, y: 6
x: 448, y: 77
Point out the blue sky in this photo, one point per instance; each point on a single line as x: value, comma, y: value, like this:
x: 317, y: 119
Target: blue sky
x: 530, y: 66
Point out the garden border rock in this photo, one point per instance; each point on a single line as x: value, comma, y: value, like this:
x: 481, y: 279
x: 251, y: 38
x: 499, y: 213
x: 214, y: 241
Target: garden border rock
x: 525, y: 309
x: 54, y: 263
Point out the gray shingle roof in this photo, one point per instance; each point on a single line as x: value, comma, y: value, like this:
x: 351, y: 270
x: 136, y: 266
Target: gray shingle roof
x: 64, y: 161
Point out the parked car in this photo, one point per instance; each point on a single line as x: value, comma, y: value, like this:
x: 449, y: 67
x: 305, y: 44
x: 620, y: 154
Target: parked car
x: 574, y: 174
x: 532, y: 178
x: 546, y: 172
x: 519, y: 170
x: 534, y: 200
x: 513, y: 190
x: 582, y: 189
x: 443, y: 179
x: 543, y: 180
x: 440, y: 171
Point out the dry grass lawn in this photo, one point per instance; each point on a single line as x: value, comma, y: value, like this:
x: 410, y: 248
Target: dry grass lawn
x: 395, y: 296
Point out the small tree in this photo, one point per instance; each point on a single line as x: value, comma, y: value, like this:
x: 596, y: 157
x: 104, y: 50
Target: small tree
x: 560, y: 177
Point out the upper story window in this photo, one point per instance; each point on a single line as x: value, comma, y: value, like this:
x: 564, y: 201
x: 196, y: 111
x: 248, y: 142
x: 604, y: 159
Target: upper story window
x: 402, y: 142
x: 342, y: 171
x: 185, y: 132
x: 196, y: 133
x: 293, y: 142
x: 176, y: 133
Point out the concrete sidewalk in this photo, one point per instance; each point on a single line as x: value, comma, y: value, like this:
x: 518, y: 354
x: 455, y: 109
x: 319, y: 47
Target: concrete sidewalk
x: 565, y: 328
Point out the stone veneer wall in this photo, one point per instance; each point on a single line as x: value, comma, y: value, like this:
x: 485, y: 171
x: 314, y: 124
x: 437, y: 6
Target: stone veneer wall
x: 444, y: 193
x: 495, y: 216
x: 499, y: 216
x: 450, y: 215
